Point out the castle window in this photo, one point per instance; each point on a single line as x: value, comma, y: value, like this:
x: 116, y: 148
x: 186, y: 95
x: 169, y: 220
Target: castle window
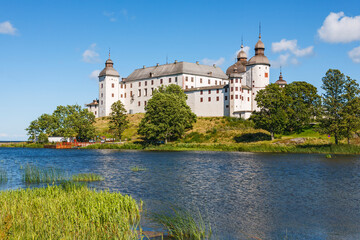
x: 240, y: 80
x: 130, y: 85
x: 226, y: 89
x: 144, y: 103
x: 139, y: 93
x: 125, y: 95
x: 266, y: 75
x: 242, y: 98
x: 192, y: 86
x: 175, y: 79
x: 186, y: 79
x: 121, y: 95
x: 236, y: 81
x: 209, y: 99
x: 200, y: 80
x: 112, y: 95
x: 192, y: 79
x: 201, y: 92
x: 169, y: 80
x: 112, y: 85
x: 145, y: 83
x: 139, y: 84
x: 95, y: 112
x: 253, y: 85
x: 139, y: 103
x: 248, y: 91
x: 215, y: 82
x: 145, y: 92
x: 201, y: 99
x: 208, y: 81
x: 121, y: 85
x: 209, y: 91
x: 232, y: 89
x: 225, y: 98
x: 102, y: 95
x: 152, y: 90
x: 232, y: 81
x: 152, y: 82
x: 161, y: 81
x: 236, y: 89
x: 217, y: 90
x: 227, y: 106
x: 232, y: 97
x: 236, y: 96
x: 131, y: 94
x: 102, y: 102
x: 102, y: 86
x: 248, y: 99
x: 217, y: 98
x: 125, y: 86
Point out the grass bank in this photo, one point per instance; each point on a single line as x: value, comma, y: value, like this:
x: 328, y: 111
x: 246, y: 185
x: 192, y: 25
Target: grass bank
x: 68, y: 211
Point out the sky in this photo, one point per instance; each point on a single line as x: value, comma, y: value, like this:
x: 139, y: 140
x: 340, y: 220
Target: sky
x: 52, y: 51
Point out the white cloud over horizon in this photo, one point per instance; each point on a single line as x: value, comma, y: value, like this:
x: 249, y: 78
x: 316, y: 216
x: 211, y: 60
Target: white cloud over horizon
x: 7, y: 28
x: 217, y: 62
x: 354, y: 54
x: 290, y: 52
x: 90, y: 55
x: 94, y: 74
x: 338, y: 28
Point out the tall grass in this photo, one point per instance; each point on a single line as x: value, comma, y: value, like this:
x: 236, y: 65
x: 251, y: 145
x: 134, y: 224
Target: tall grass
x: 3, y: 176
x: 182, y: 224
x: 137, y: 169
x: 35, y: 174
x: 87, y: 177
x: 67, y: 211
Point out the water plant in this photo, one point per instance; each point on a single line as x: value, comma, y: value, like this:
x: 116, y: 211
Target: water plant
x: 183, y: 224
x: 3, y: 176
x: 87, y: 177
x: 328, y: 155
x: 68, y: 211
x: 137, y: 169
x: 35, y: 174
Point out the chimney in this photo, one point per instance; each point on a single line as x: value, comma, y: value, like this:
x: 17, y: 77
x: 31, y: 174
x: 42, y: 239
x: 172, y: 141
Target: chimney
x: 197, y: 62
x: 144, y: 66
x: 175, y: 62
x: 157, y: 64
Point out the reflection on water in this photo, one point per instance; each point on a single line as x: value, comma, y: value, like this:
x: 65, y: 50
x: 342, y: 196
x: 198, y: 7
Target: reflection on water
x: 244, y: 195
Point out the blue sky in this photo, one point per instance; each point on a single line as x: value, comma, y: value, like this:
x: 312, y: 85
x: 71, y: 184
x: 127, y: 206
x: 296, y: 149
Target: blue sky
x: 50, y: 49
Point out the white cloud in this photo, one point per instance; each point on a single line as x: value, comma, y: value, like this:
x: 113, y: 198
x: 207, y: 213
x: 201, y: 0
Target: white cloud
x: 94, y: 74
x: 3, y: 135
x: 338, y: 28
x: 208, y: 61
x: 282, y: 61
x: 7, y: 28
x: 123, y: 13
x: 90, y: 55
x: 246, y: 50
x: 291, y: 46
x: 355, y: 55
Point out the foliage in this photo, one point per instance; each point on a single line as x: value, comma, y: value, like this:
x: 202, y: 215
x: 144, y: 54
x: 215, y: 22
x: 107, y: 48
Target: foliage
x: 69, y: 211
x: 118, y: 119
x: 273, y: 104
x: 182, y: 224
x: 341, y: 105
x: 35, y: 174
x: 66, y: 121
x: 87, y: 177
x: 137, y: 169
x: 167, y: 115
x: 304, y: 105
x: 252, y: 137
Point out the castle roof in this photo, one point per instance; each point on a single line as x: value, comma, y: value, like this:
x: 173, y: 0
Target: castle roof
x: 109, y: 69
x: 259, y: 57
x: 238, y: 67
x: 177, y: 68
x: 94, y: 103
x: 281, y: 81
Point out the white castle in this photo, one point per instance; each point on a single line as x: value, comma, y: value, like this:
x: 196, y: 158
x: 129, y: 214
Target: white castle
x: 211, y: 92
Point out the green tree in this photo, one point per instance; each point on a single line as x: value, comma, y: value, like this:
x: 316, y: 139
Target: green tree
x: 350, y: 113
x: 333, y: 102
x: 44, y: 125
x: 273, y: 104
x: 167, y: 115
x: 304, y: 105
x: 118, y: 119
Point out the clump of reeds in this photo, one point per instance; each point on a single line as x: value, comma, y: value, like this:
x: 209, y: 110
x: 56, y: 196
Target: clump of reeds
x: 87, y: 177
x: 35, y: 174
x: 68, y: 211
x: 3, y: 176
x: 182, y: 224
x: 137, y: 169
x: 328, y: 156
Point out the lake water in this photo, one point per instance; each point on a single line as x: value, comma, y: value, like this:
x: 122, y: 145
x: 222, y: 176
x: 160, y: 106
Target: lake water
x: 243, y: 195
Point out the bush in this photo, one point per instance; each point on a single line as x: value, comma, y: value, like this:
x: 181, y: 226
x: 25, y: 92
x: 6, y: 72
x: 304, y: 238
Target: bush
x: 252, y: 137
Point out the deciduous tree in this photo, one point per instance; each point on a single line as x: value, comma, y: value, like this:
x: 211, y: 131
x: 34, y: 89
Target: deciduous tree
x: 118, y: 119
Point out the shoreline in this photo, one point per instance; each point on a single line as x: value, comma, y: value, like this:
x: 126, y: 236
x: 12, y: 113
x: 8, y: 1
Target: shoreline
x: 234, y: 147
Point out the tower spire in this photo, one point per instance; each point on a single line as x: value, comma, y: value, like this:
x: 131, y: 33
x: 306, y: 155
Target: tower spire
x: 109, y: 53
x: 242, y: 42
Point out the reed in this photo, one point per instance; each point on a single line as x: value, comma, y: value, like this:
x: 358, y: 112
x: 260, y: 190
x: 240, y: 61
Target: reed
x: 137, y: 169
x: 182, y: 224
x: 87, y: 177
x: 3, y: 176
x: 68, y: 211
x: 35, y: 174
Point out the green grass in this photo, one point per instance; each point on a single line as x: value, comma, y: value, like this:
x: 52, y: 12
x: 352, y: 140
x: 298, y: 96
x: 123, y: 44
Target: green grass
x: 3, y: 176
x: 68, y: 211
x: 35, y: 174
x: 137, y: 169
x: 182, y: 224
x: 87, y: 177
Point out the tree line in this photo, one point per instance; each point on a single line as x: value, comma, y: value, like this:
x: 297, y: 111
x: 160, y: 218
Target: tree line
x: 297, y: 105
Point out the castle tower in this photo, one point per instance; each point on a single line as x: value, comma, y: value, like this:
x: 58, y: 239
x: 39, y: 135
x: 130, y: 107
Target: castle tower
x: 281, y: 82
x: 258, y: 71
x: 108, y: 88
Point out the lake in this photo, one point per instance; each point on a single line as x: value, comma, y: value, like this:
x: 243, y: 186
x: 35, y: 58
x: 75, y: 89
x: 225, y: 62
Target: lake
x: 243, y: 195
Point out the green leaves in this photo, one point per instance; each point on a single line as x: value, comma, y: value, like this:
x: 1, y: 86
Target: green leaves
x: 118, y: 119
x: 167, y: 115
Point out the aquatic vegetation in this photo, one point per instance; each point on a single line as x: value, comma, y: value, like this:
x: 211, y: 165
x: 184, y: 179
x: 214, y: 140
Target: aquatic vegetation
x: 68, y: 211
x: 35, y: 174
x: 3, y: 176
x: 137, y: 169
x: 182, y: 224
x: 328, y: 155
x: 87, y: 177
